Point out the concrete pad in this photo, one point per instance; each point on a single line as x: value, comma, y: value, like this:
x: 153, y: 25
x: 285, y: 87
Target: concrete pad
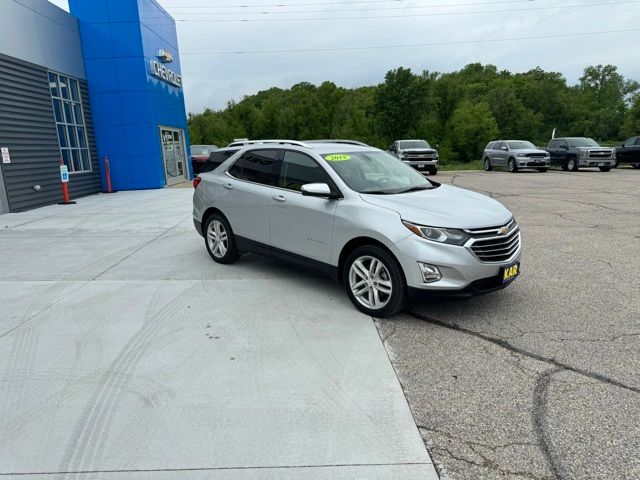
x: 125, y: 352
x: 337, y: 472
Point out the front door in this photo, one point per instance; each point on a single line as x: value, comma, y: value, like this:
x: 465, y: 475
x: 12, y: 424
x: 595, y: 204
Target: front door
x: 299, y: 224
x: 174, y: 155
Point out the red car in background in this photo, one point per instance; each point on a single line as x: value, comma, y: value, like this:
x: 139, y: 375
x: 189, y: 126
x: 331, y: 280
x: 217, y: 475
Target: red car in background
x: 200, y: 155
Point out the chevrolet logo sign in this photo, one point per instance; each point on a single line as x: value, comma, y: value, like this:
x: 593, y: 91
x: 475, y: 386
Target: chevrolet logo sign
x: 504, y: 230
x: 164, y: 56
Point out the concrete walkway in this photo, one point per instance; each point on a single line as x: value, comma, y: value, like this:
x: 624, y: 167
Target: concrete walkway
x: 126, y: 353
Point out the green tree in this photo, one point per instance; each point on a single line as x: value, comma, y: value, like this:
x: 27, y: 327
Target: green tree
x: 471, y: 127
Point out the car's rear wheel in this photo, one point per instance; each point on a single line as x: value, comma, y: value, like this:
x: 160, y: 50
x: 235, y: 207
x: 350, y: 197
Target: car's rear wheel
x: 433, y: 171
x: 375, y: 282
x: 605, y: 169
x: 572, y: 164
x: 219, y: 239
x: 543, y: 170
x: 513, y: 168
x: 636, y: 165
x: 487, y: 165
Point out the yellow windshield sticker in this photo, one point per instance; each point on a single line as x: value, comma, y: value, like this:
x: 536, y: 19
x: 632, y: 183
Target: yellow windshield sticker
x: 337, y: 158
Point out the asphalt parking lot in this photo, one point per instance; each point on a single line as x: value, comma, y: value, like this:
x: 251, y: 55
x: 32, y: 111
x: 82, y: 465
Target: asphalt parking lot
x: 541, y: 380
x: 126, y: 353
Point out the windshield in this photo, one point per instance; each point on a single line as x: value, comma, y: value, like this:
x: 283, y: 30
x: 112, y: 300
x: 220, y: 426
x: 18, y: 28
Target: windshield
x: 414, y: 144
x: 376, y: 172
x: 202, y: 149
x: 583, y: 142
x: 521, y: 145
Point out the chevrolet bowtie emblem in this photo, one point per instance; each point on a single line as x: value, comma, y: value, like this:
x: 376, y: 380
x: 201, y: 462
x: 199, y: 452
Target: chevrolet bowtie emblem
x: 503, y: 230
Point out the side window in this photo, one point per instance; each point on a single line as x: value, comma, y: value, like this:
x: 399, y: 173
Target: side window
x: 299, y: 169
x: 632, y: 141
x: 563, y: 143
x: 637, y: 140
x: 257, y: 166
x: 553, y: 144
x: 216, y: 159
x: 489, y: 146
x: 497, y: 145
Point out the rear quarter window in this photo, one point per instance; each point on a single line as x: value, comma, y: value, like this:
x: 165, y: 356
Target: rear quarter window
x: 216, y: 159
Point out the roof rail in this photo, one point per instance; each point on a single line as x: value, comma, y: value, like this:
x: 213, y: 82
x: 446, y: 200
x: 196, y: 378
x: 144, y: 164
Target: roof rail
x: 346, y: 142
x: 277, y: 141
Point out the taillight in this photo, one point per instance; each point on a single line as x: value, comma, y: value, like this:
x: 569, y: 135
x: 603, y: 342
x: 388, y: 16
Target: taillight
x: 196, y: 182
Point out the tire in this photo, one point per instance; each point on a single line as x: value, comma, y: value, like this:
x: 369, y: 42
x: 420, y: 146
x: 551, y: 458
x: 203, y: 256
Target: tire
x: 359, y: 269
x: 543, y: 170
x: 487, y: 165
x: 605, y: 169
x: 225, y: 251
x: 513, y: 168
x: 433, y: 171
x: 572, y: 164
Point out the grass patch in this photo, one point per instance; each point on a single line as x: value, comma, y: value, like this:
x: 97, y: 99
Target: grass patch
x: 448, y: 166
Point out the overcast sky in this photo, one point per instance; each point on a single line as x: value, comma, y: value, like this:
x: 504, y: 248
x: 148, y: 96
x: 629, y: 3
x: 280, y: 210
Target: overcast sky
x: 212, y: 80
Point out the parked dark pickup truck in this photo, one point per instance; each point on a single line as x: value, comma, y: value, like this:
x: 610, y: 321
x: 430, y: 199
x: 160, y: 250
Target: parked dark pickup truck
x: 574, y: 153
x: 629, y: 152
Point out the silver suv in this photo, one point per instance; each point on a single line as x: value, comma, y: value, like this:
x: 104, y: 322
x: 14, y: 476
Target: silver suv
x: 355, y: 213
x: 515, y: 155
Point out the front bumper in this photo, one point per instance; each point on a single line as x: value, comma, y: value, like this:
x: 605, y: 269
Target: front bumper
x: 533, y: 163
x: 426, y: 164
x: 596, y: 162
x: 462, y: 272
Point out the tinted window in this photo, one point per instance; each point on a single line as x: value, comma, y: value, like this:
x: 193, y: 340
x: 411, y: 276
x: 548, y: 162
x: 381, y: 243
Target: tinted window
x: 632, y: 141
x: 583, y: 142
x: 637, y: 140
x: 216, y: 159
x: 258, y: 166
x: 489, y: 146
x: 563, y: 143
x: 553, y: 144
x: 497, y: 145
x: 299, y: 169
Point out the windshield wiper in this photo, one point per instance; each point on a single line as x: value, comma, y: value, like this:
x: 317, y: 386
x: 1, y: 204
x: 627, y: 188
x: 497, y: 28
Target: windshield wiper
x: 416, y: 189
x: 378, y: 192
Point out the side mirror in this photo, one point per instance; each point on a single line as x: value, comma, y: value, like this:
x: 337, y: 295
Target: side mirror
x: 505, y: 148
x: 318, y: 190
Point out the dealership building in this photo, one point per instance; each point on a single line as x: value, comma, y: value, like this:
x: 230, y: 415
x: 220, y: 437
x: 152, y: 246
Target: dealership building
x: 103, y: 81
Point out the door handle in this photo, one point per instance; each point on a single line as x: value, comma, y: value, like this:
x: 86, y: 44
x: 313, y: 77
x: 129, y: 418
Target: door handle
x: 228, y: 186
x: 279, y: 198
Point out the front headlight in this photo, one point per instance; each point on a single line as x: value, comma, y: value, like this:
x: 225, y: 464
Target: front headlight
x: 450, y: 236
x: 522, y: 155
x: 584, y: 153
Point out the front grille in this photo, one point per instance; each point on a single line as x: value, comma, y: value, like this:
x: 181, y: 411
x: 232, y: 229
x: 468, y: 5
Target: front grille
x: 490, y: 246
x: 421, y: 156
x: 600, y: 154
x: 536, y: 155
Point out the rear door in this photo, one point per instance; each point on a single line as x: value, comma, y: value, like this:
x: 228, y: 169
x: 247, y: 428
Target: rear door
x: 246, y: 194
x: 302, y: 225
x: 498, y: 157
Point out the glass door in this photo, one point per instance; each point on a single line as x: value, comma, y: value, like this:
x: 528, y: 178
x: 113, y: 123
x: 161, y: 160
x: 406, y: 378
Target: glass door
x: 173, y: 155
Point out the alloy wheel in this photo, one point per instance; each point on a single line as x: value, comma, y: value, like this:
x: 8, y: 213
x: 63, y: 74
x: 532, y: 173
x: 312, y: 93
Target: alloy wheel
x: 217, y: 239
x: 370, y: 282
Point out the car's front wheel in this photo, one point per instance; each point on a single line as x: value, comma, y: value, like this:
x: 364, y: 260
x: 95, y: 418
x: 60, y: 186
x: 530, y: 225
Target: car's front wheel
x: 513, y: 168
x: 572, y: 164
x: 433, y: 171
x: 375, y: 282
x: 219, y: 239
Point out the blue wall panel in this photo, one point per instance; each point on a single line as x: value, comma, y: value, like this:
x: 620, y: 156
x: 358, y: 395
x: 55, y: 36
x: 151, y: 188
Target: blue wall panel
x: 119, y: 38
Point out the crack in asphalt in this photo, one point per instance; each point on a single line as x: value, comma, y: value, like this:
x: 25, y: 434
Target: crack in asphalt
x: 507, y: 346
x: 539, y: 420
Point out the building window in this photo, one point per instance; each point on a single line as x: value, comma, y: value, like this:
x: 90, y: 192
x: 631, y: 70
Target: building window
x: 72, y: 133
